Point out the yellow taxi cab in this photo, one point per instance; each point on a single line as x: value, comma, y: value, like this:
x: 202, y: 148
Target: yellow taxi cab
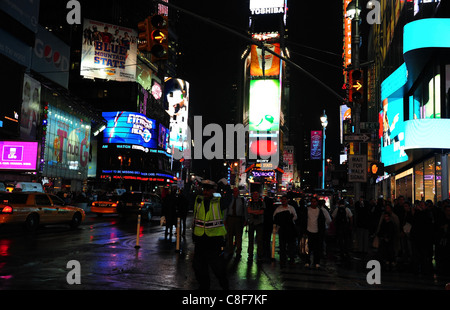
x: 37, y: 208
x: 106, y: 204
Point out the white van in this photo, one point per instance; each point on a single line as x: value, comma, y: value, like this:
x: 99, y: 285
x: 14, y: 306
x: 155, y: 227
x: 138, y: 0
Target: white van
x: 29, y: 187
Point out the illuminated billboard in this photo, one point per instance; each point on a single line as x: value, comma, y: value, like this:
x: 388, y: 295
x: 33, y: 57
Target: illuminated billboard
x: 271, y: 62
x: 108, y: 52
x: 67, y: 146
x: 393, y: 132
x: 264, y: 121
x: 130, y: 128
x: 264, y: 106
x: 29, y: 112
x: 347, y: 36
x: 316, y: 144
x: 163, y: 138
x: 176, y: 101
x: 392, y: 125
x: 258, y: 7
x: 18, y: 155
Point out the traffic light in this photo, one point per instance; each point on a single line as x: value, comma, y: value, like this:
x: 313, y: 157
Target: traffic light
x: 144, y: 35
x: 159, y: 37
x: 376, y: 168
x: 356, y: 86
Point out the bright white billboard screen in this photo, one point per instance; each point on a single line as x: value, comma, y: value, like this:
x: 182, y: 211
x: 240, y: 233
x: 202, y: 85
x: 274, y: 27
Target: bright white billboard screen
x: 265, y: 99
x: 108, y: 52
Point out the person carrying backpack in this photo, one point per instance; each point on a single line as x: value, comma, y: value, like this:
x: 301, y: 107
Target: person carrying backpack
x: 343, y: 221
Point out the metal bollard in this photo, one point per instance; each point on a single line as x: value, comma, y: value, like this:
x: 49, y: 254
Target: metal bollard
x: 178, y: 234
x: 137, y: 246
x: 274, y: 235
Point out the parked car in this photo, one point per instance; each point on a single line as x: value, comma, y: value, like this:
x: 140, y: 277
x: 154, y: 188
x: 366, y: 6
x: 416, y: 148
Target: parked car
x: 105, y: 204
x: 131, y: 203
x: 35, y: 208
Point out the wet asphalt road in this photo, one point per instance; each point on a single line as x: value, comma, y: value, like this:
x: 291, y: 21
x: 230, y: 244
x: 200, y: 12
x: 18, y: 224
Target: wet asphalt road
x: 105, y: 249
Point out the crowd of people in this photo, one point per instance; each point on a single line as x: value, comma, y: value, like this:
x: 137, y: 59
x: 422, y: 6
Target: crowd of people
x: 402, y: 236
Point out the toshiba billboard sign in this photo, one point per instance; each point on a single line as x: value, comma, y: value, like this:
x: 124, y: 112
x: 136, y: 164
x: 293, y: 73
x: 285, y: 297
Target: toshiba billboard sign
x: 258, y: 7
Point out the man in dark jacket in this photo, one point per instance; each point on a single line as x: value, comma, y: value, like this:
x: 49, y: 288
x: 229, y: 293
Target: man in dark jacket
x: 422, y: 239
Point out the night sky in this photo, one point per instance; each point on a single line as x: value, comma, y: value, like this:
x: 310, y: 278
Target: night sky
x: 211, y: 56
x: 211, y: 62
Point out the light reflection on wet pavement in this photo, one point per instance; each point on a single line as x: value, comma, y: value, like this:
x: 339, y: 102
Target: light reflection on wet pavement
x: 109, y: 260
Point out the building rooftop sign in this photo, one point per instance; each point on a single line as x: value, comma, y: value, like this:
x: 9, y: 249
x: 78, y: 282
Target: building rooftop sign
x: 258, y: 7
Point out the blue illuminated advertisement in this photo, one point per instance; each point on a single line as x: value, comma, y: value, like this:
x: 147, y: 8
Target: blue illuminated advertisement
x: 130, y: 128
x: 392, y: 118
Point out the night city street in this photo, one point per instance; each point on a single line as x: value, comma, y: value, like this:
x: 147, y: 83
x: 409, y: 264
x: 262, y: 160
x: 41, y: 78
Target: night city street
x: 106, y: 249
x: 305, y: 144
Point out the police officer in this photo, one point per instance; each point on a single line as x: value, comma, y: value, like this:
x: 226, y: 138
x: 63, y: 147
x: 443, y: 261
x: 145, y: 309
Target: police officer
x: 209, y: 236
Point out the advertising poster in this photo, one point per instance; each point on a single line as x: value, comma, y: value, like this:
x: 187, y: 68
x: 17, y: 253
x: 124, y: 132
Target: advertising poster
x: 108, y: 52
x: 130, y: 128
x: 176, y: 101
x: 288, y: 158
x: 18, y: 155
x: 316, y: 144
x: 29, y: 113
x: 51, y: 57
x: 345, y: 114
x: 264, y: 106
x: 393, y: 132
x: 163, y: 138
x: 67, y: 145
x: 271, y: 62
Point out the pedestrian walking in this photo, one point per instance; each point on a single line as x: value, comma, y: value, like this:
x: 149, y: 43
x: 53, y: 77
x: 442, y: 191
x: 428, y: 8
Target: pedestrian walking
x: 394, y: 218
x: 405, y: 254
x: 343, y: 221
x: 422, y: 240
x: 443, y: 243
x: 362, y: 226
x: 386, y: 236
x: 255, y: 222
x: 169, y: 211
x: 284, y: 217
x: 315, y: 223
x: 268, y: 226
x: 209, y: 237
x: 182, y: 211
x: 235, y: 221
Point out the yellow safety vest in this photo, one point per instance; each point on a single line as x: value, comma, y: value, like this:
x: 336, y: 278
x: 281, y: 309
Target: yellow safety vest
x: 210, y: 223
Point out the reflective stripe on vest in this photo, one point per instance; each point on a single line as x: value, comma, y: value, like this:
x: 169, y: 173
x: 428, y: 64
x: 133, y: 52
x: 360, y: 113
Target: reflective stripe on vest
x: 210, y: 223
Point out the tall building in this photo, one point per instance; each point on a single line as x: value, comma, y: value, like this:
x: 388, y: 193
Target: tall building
x: 93, y: 103
x: 265, y: 97
x: 45, y: 130
x: 409, y: 77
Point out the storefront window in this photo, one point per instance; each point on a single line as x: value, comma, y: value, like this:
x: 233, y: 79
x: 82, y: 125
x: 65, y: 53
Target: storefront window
x: 403, y: 187
x: 429, y: 179
x: 418, y: 181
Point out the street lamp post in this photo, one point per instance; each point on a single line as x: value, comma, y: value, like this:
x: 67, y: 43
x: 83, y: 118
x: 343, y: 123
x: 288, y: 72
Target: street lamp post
x: 354, y: 11
x: 324, y: 121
